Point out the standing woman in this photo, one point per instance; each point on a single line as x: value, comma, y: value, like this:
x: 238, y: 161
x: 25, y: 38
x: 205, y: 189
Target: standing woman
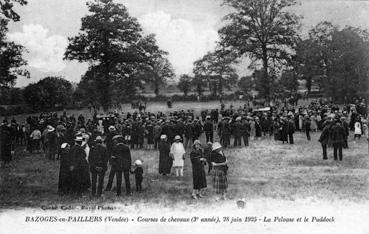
x: 220, y: 167
x: 198, y: 171
x: 358, y: 132
x: 178, y: 152
x: 165, y: 161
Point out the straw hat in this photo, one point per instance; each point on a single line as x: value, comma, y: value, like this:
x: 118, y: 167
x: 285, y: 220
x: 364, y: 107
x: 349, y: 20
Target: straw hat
x: 64, y: 145
x: 163, y: 137
x: 197, y: 142
x: 177, y: 137
x: 117, y: 137
x: 216, y: 146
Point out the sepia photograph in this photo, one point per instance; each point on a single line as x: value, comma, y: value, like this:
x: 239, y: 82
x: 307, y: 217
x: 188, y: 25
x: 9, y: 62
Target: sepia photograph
x: 184, y: 116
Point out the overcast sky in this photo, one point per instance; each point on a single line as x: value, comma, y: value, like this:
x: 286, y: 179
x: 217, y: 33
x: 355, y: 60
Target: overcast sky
x: 187, y: 29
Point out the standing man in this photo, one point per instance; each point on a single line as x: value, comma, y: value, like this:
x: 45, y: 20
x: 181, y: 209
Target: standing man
x: 246, y: 128
x: 98, y: 161
x: 307, y: 124
x: 5, y: 144
x: 338, y: 139
x: 51, y: 143
x: 290, y: 130
x: 237, y: 132
x: 208, y: 129
x: 120, y: 163
x: 324, y: 139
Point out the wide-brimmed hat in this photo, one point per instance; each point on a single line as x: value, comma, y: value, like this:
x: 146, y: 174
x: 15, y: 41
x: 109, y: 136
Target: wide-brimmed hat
x: 111, y: 128
x: 78, y: 138
x: 138, y: 162
x: 215, y: 146
x: 117, y: 137
x: 50, y: 128
x: 99, y: 138
x: 239, y: 118
x: 177, y: 137
x: 163, y: 137
x: 196, y: 142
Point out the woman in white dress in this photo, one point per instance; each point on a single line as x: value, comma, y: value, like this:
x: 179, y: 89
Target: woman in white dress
x: 313, y: 123
x: 357, y: 133
x: 178, y: 152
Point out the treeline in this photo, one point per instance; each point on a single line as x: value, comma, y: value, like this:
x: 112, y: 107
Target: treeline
x: 123, y: 60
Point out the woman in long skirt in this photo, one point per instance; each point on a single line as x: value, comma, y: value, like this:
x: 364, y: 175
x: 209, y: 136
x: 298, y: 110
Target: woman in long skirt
x: 219, y: 161
x: 198, y: 171
x: 165, y: 161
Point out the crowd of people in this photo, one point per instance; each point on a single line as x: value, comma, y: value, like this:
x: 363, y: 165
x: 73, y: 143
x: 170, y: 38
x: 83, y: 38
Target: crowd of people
x: 87, y: 146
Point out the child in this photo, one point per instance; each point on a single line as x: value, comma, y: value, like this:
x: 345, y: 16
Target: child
x: 138, y: 171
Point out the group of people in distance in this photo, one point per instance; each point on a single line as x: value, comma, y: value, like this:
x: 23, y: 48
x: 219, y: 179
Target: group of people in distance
x: 86, y: 144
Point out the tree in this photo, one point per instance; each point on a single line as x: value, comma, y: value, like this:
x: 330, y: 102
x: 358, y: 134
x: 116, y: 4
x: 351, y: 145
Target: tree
x: 199, y: 82
x: 111, y: 42
x: 337, y: 59
x: 264, y: 31
x: 246, y: 85
x: 289, y: 83
x: 158, y: 69
x: 11, y: 61
x: 6, y: 9
x: 217, y: 68
x: 184, y: 84
x: 49, y: 93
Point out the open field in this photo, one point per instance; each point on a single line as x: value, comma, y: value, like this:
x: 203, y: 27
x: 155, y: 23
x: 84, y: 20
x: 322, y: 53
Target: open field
x: 266, y: 169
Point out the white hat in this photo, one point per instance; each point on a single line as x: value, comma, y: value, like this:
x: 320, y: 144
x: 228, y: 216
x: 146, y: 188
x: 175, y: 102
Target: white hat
x: 215, y: 146
x: 177, y: 137
x: 78, y: 138
x: 138, y: 162
x: 238, y: 118
x: 50, y: 128
x: 111, y: 128
x: 116, y: 137
x: 163, y: 137
x: 64, y: 145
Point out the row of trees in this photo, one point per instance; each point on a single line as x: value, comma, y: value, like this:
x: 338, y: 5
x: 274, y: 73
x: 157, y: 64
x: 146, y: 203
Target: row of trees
x: 123, y: 60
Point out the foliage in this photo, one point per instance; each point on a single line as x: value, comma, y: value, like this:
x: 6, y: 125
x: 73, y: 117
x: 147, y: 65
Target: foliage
x: 246, y: 84
x: 216, y: 67
x: 264, y: 31
x: 338, y: 59
x: 111, y: 41
x: 48, y: 93
x: 184, y: 84
x: 6, y: 9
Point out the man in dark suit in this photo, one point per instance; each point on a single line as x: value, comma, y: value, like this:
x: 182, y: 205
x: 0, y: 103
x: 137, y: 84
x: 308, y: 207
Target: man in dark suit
x: 120, y: 162
x: 208, y: 129
x: 290, y: 129
x: 338, y: 136
x: 324, y: 138
x: 98, y: 160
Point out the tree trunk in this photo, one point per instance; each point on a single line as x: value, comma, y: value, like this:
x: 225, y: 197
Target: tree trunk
x: 265, y: 74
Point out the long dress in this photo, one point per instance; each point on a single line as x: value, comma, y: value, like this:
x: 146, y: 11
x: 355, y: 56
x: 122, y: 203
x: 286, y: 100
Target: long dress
x: 220, y: 181
x: 178, y: 151
x: 198, y: 170
x: 165, y: 161
x: 64, y: 172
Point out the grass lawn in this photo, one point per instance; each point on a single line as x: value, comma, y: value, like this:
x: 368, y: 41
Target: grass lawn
x: 266, y: 169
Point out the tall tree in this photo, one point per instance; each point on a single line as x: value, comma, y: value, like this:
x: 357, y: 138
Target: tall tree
x: 11, y: 60
x: 184, y: 84
x: 217, y: 68
x: 246, y: 85
x: 109, y: 40
x: 264, y: 30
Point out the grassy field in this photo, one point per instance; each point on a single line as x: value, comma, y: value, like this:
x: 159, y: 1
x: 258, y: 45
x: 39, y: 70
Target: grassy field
x: 266, y: 169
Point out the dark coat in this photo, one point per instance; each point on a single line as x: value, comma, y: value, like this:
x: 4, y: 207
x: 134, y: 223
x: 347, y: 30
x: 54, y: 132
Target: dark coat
x: 237, y: 129
x: 5, y: 143
x: 324, y: 136
x: 165, y: 161
x: 198, y: 171
x: 208, y: 126
x: 65, y: 182
x: 121, y: 157
x: 337, y: 135
x: 79, y: 175
x: 98, y: 157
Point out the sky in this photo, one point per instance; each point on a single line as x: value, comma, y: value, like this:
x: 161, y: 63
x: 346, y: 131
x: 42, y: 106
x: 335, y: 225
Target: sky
x: 187, y: 29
